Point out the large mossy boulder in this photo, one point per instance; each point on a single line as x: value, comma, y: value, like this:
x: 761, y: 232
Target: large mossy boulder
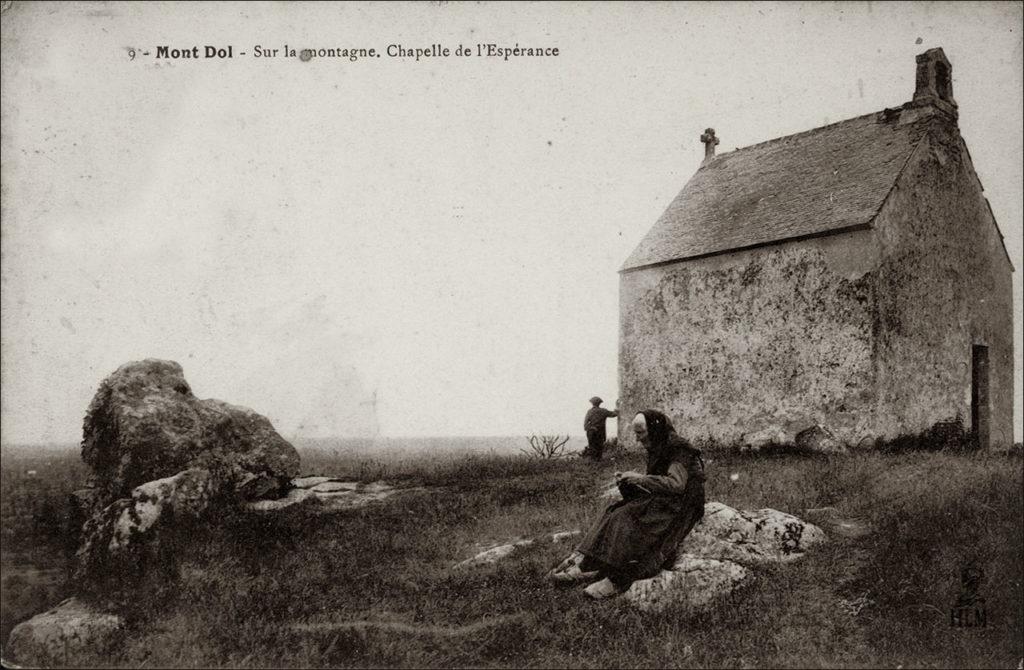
x: 62, y: 635
x: 144, y: 423
x: 161, y: 457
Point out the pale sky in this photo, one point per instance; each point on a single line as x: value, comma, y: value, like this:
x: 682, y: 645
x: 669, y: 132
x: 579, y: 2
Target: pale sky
x: 443, y: 233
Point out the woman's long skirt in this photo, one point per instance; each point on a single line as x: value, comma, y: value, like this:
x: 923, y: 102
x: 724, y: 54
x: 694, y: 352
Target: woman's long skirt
x: 637, y: 538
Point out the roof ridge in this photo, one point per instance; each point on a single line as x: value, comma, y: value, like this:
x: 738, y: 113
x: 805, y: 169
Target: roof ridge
x: 809, y: 183
x: 802, y: 132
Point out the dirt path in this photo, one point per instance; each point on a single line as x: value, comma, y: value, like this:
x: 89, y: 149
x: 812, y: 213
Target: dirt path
x: 849, y: 557
x: 407, y: 628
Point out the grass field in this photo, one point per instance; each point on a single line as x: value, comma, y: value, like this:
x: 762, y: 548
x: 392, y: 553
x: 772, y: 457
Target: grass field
x: 374, y: 586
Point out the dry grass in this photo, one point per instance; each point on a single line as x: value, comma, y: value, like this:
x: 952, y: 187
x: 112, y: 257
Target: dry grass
x: 374, y: 586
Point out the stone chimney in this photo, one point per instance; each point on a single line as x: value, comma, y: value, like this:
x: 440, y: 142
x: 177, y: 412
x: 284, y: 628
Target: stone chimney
x: 934, y: 87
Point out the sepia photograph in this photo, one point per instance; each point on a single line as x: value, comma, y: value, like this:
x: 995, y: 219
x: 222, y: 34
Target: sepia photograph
x: 511, y: 335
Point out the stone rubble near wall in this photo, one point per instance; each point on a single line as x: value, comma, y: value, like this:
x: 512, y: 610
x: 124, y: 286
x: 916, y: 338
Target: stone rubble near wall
x: 819, y: 439
x: 815, y: 439
x: 759, y: 439
x: 62, y: 634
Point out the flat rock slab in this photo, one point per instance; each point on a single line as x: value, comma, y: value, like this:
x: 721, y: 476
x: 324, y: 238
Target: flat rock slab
x: 309, y: 482
x: 293, y: 497
x: 498, y: 552
x: 61, y: 635
x: 332, y: 486
x: 494, y: 554
x: 329, y: 495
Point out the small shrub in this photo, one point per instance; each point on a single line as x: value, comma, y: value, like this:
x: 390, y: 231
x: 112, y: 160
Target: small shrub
x: 546, y: 446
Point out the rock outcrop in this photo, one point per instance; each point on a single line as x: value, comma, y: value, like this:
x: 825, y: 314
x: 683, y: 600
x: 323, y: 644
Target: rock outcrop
x: 712, y: 557
x: 116, y: 538
x: 693, y: 582
x: 62, y: 634
x: 144, y: 424
x: 819, y: 439
x: 157, y: 453
x: 751, y: 537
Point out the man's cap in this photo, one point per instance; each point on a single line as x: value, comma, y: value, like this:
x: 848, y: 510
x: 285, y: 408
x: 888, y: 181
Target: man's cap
x: 596, y: 401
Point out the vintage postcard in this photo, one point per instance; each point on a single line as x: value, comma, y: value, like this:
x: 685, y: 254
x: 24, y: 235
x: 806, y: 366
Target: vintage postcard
x: 493, y: 334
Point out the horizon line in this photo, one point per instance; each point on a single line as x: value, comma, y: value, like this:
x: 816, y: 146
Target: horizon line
x: 6, y: 444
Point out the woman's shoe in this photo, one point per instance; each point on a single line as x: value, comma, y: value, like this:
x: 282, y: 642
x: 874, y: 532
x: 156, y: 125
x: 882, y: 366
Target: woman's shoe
x: 572, y: 575
x: 568, y: 571
x: 602, y: 589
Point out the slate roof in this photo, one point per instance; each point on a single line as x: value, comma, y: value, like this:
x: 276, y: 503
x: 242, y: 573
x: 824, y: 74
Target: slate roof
x: 819, y: 181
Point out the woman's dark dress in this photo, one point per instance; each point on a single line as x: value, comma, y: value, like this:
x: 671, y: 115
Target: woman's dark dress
x: 638, y: 536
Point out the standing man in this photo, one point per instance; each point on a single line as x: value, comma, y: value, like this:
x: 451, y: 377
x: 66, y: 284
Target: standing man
x: 593, y: 424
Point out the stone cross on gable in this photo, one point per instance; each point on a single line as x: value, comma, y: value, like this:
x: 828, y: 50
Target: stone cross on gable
x: 709, y: 140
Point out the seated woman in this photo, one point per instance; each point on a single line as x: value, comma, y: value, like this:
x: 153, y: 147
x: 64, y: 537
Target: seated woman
x: 638, y: 535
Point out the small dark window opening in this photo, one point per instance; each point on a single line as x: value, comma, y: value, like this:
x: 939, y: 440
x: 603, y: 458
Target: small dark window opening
x: 942, y: 83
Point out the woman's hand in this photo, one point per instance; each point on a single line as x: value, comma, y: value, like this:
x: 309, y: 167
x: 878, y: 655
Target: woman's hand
x: 628, y: 477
